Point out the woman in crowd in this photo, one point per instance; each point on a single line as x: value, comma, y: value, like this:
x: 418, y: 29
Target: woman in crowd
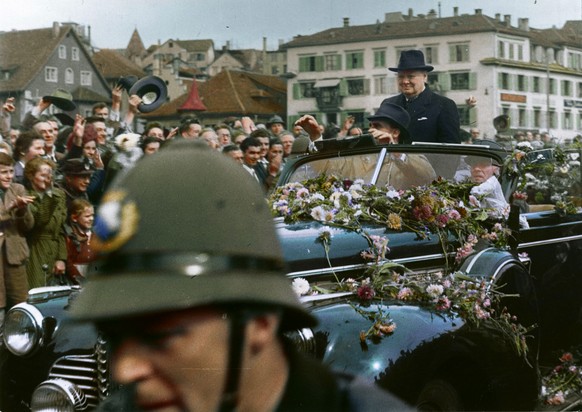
x: 28, y: 145
x: 46, y: 240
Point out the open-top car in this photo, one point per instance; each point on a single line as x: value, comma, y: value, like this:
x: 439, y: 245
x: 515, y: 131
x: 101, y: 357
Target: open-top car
x: 418, y: 284
x: 366, y: 245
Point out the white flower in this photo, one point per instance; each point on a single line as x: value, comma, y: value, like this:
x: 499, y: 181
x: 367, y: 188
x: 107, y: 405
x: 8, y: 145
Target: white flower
x: 302, y: 193
x: 434, y: 290
x: 392, y: 194
x: 315, y: 197
x: 318, y: 213
x: 334, y: 197
x: 300, y: 286
x: 329, y: 216
x: 524, y: 145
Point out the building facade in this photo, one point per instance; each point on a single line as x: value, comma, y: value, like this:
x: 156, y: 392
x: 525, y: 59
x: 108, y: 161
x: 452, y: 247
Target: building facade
x: 534, y: 76
x: 34, y: 63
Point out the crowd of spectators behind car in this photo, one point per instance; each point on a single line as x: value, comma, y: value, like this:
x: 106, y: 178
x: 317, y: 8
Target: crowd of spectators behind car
x: 54, y: 170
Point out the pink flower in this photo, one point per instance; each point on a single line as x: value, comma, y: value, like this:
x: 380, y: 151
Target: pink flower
x: 473, y: 201
x: 442, y: 220
x: 557, y: 399
x: 454, y: 214
x: 367, y: 255
x: 387, y: 329
x: 443, y: 303
x: 404, y: 293
x: 366, y: 292
x: 480, y: 313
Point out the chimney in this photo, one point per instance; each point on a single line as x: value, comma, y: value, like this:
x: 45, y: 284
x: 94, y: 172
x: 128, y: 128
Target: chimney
x: 507, y: 19
x: 346, y: 22
x: 56, y: 29
x: 410, y: 12
x: 478, y: 12
x: 455, y: 11
x: 523, y: 23
x: 264, y: 43
x: 498, y: 16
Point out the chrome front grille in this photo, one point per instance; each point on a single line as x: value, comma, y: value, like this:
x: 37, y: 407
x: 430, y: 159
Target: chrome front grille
x: 89, y: 373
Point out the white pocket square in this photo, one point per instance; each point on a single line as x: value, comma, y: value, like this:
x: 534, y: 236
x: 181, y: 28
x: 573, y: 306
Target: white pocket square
x: 422, y: 118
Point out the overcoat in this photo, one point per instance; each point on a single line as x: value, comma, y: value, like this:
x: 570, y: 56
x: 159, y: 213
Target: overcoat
x: 433, y: 118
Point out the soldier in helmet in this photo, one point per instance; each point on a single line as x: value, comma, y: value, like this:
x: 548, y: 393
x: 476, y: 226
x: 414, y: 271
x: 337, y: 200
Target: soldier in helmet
x: 192, y: 294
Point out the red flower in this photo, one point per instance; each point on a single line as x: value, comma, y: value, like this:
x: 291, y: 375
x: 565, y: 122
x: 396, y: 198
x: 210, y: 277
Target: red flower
x: 366, y: 292
x: 567, y: 357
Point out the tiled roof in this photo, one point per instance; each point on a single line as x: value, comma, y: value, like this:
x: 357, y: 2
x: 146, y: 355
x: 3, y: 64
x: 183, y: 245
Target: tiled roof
x: 135, y: 46
x: 196, y: 45
x: 250, y: 59
x: 462, y: 24
x: 27, y: 51
x: 234, y: 92
x: 113, y: 65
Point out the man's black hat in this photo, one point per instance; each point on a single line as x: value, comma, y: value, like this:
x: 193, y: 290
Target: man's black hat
x: 411, y: 60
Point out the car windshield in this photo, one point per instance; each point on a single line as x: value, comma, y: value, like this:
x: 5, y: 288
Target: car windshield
x: 398, y: 170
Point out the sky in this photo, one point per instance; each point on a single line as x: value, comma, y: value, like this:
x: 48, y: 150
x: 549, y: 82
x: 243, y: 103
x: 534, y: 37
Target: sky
x: 244, y: 23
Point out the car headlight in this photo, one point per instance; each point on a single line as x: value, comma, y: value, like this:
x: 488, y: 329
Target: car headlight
x: 23, y: 329
x: 57, y: 395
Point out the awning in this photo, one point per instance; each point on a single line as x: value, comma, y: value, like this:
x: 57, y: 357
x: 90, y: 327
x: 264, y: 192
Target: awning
x: 327, y: 83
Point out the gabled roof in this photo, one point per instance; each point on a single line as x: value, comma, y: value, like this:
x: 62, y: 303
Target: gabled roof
x: 27, y: 52
x: 574, y: 26
x: 196, y: 45
x: 244, y: 56
x: 135, y: 47
x: 113, y: 65
x: 462, y: 24
x: 234, y: 92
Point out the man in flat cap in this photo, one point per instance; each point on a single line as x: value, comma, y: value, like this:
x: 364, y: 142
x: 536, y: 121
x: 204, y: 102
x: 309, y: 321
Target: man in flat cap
x: 77, y: 174
x: 433, y: 118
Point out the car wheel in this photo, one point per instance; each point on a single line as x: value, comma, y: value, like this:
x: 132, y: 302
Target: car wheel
x: 439, y: 395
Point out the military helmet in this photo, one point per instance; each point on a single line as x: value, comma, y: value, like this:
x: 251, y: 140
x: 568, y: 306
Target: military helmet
x: 187, y: 227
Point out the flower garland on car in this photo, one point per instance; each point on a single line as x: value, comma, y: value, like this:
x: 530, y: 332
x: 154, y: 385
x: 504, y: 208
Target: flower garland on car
x: 472, y: 299
x: 441, y: 208
x: 555, y: 182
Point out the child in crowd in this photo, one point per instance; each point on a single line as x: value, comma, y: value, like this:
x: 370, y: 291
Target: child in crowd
x: 79, y: 231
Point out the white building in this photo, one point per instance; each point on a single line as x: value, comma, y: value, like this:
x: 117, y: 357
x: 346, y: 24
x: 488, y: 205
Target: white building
x: 514, y: 70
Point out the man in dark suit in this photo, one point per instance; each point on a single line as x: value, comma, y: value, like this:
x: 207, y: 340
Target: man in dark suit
x: 433, y: 118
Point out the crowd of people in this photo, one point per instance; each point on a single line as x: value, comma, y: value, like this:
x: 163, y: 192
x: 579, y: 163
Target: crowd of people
x: 54, y: 171
x: 57, y: 168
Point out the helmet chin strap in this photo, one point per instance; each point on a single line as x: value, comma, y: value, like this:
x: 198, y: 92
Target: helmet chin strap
x: 230, y: 395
